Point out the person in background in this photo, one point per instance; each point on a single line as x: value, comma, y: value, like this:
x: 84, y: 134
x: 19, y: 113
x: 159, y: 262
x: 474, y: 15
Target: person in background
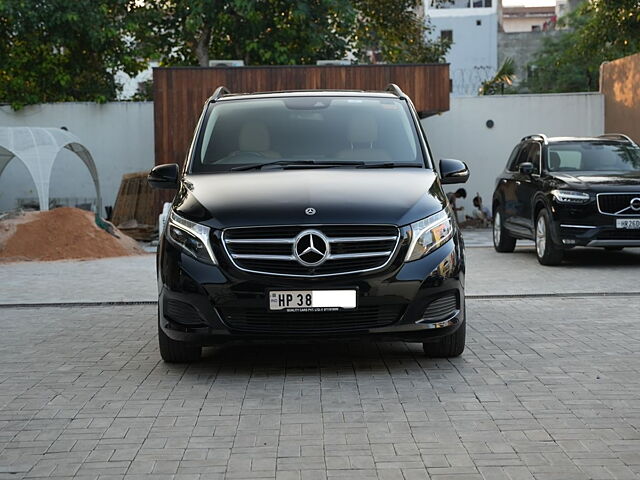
x: 481, y: 213
x: 453, y: 196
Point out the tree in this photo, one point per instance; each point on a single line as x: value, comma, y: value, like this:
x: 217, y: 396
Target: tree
x: 391, y: 31
x: 59, y: 50
x: 281, y: 32
x: 597, y: 31
x: 503, y: 77
x: 260, y: 32
x: 612, y: 28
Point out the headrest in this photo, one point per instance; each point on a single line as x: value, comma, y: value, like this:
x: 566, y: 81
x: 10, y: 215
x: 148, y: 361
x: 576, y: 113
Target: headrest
x: 554, y: 161
x: 363, y: 129
x: 254, y: 137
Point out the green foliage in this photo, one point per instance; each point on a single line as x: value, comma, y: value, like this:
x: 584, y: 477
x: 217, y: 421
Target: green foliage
x: 60, y: 50
x: 260, y: 32
x: 598, y: 31
x: 69, y: 50
x: 390, y: 31
x: 284, y: 32
x: 503, y: 78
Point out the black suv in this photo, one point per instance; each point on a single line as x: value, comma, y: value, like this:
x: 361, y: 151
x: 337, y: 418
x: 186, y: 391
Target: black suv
x: 306, y: 215
x: 566, y: 192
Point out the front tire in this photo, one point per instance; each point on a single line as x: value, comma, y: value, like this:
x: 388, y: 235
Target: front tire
x: 502, y: 241
x: 447, y: 347
x: 548, y: 253
x: 173, y: 351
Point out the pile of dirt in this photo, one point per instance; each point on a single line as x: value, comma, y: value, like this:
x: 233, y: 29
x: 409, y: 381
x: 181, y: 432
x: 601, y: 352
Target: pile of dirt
x: 60, y: 234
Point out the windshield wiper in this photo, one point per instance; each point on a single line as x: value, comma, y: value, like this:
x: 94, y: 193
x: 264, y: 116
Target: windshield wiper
x: 296, y: 163
x: 390, y: 165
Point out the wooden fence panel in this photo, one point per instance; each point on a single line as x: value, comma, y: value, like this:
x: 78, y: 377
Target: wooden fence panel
x: 180, y: 92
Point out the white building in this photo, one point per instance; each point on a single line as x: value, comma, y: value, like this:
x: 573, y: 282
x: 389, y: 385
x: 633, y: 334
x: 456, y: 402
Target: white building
x: 472, y: 26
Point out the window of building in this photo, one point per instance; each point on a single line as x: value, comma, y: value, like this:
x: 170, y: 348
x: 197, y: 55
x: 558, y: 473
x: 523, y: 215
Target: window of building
x: 446, y: 35
x: 478, y: 22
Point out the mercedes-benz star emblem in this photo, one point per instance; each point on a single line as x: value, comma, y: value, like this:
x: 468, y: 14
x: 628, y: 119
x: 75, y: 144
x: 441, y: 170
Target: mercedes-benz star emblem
x: 311, y: 248
x: 635, y: 204
x: 310, y: 211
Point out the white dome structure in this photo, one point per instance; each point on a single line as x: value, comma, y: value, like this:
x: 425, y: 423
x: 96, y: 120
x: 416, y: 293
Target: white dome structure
x: 37, y: 148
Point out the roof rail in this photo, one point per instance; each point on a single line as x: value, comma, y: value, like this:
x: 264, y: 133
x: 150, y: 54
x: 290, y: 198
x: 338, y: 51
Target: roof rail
x: 395, y: 89
x: 220, y: 91
x: 537, y: 136
x: 617, y: 136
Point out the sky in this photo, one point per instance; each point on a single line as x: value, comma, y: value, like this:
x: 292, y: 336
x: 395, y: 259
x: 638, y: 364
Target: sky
x: 528, y: 3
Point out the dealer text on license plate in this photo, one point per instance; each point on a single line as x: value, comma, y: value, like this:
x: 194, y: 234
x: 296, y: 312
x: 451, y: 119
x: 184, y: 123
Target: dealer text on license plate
x: 628, y: 223
x: 312, y: 300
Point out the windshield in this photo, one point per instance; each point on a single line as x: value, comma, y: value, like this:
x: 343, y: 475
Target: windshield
x: 307, y: 130
x: 593, y: 156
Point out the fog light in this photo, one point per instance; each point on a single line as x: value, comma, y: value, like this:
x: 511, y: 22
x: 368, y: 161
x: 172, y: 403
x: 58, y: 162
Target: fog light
x: 568, y: 241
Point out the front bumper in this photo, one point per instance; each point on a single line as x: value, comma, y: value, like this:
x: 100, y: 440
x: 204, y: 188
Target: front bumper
x: 585, y: 226
x: 208, y: 304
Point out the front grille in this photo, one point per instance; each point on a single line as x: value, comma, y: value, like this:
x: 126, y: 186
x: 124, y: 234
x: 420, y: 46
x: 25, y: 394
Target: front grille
x: 441, y: 309
x: 617, y: 203
x: 353, y: 248
x: 306, y: 323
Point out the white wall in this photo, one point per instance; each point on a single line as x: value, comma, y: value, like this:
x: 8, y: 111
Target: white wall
x: 119, y: 136
x: 462, y: 132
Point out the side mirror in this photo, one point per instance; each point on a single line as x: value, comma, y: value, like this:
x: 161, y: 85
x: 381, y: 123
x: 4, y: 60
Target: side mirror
x: 526, y: 168
x: 453, y: 171
x: 164, y: 176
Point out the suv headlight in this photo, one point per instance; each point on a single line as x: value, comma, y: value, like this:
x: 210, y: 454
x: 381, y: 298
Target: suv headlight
x: 429, y: 234
x: 192, y: 237
x: 570, y: 196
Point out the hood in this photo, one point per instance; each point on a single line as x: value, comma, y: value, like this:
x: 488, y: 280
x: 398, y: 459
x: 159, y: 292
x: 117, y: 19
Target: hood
x: 606, y: 180
x: 384, y: 196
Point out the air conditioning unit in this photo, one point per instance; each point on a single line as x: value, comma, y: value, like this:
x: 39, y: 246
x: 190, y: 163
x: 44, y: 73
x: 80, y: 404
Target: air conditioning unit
x: 226, y: 63
x: 333, y: 62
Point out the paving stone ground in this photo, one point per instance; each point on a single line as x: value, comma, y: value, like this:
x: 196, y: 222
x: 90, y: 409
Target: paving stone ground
x: 548, y: 389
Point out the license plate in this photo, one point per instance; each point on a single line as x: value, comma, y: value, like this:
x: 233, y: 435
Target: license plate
x: 628, y: 223
x: 312, y: 300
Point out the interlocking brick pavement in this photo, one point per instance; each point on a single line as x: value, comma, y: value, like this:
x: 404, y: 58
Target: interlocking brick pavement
x: 548, y: 389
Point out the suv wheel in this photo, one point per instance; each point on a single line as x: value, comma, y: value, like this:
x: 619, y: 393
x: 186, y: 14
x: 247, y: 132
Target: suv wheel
x: 547, y: 252
x: 502, y: 241
x: 449, y: 346
x: 177, y: 352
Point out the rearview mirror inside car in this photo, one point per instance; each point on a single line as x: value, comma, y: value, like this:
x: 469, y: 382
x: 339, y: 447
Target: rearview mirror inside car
x: 453, y: 171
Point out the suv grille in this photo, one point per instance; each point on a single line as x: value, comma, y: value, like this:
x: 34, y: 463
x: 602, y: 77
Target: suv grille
x: 617, y: 203
x: 353, y: 248
x: 263, y: 321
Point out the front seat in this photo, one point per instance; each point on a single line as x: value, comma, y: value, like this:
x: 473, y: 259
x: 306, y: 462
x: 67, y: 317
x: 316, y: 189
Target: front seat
x: 554, y: 161
x: 254, y: 138
x: 362, y: 135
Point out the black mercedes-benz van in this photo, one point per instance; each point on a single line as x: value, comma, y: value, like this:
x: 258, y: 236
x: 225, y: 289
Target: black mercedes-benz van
x: 310, y: 215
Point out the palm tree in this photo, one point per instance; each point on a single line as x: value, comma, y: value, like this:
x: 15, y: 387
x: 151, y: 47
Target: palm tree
x: 504, y: 76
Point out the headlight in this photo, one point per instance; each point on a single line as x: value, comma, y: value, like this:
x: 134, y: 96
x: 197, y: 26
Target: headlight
x: 570, y: 196
x: 192, y: 237
x: 429, y: 234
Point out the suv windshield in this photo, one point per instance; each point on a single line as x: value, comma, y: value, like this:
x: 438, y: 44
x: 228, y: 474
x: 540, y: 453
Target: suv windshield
x: 308, y: 131
x: 593, y: 156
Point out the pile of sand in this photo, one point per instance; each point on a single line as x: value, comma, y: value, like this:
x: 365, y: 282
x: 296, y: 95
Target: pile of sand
x: 60, y: 234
